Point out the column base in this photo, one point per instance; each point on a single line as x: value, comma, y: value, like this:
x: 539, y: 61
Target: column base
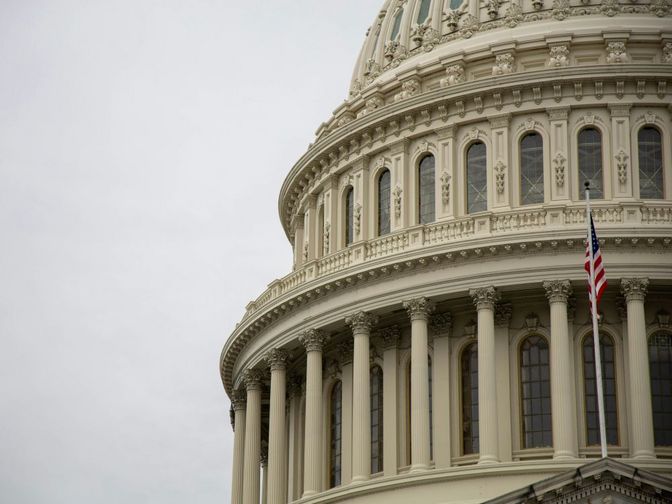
x: 308, y: 493
x: 564, y: 455
x: 419, y: 468
x: 644, y: 455
x: 487, y: 459
x: 359, y: 479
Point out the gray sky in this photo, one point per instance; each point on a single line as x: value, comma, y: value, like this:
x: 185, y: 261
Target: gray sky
x: 142, y: 147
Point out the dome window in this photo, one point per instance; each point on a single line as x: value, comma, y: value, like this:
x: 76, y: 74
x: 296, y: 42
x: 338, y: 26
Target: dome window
x: 531, y: 169
x: 349, y: 216
x: 590, y: 162
x: 535, y: 386
x: 477, y: 178
x: 384, y: 203
x: 335, y: 407
x: 469, y: 375
x: 396, y: 27
x: 650, y: 163
x: 660, y: 368
x: 423, y: 11
x: 426, y: 206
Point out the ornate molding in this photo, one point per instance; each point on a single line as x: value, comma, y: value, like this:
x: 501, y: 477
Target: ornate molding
x: 276, y: 359
x: 239, y: 400
x: 616, y: 52
x: 361, y: 321
x: 445, y: 187
x: 345, y: 351
x: 559, y: 168
x: 409, y: 89
x: 396, y: 195
x: 558, y: 56
x: 634, y: 289
x: 441, y: 323
x: 503, y: 64
x: 253, y: 379
x: 622, y: 166
x: 500, y: 176
x: 313, y: 340
x: 454, y: 75
x: 390, y: 336
x: 503, y: 311
x: 419, y: 308
x: 558, y: 291
x: 484, y: 297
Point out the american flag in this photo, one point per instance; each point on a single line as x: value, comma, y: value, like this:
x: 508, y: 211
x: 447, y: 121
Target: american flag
x: 598, y: 268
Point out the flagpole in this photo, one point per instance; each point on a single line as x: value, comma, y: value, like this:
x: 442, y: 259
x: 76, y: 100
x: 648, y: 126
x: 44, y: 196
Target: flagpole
x: 596, y: 330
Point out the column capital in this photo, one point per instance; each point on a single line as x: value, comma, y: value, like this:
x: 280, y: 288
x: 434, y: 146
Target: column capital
x: 345, y: 351
x: 419, y: 308
x: 253, y: 379
x: 313, y: 340
x: 441, y: 323
x: 557, y: 291
x: 238, y: 400
x: 390, y: 336
x: 503, y: 314
x: 276, y: 359
x: 361, y: 321
x: 634, y: 289
x: 484, y: 297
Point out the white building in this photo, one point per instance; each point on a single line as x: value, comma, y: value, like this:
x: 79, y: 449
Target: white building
x: 433, y: 341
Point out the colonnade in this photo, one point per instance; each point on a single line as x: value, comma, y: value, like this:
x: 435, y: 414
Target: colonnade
x: 357, y: 452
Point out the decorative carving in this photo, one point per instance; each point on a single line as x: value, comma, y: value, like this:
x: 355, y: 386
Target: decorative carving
x: 357, y: 214
x: 616, y: 52
x: 589, y: 119
x: 470, y: 328
x: 599, y: 90
x: 560, y: 9
x: 484, y: 297
x: 419, y: 308
x: 325, y: 241
x: 649, y: 117
x: 372, y: 69
x: 313, y: 340
x: 294, y: 385
x: 537, y: 4
x: 361, y: 321
x: 667, y: 52
x: 409, y: 88
x: 238, y: 400
x: 503, y: 313
x: 503, y: 64
x: 622, y: 166
x: 445, y: 188
x: 470, y: 25
x: 634, y: 289
x: 514, y: 14
x: 372, y: 104
x: 529, y: 124
x: 532, y: 321
x: 396, y: 194
x: 390, y: 336
x: 659, y: 7
x: 453, y: 19
x: 558, y: 56
x: 424, y: 146
x: 346, y: 118
x: 558, y: 291
x: 441, y: 323
x: 276, y: 359
x: 253, y: 379
x: 517, y: 97
x: 559, y: 166
x: 500, y: 176
x: 578, y: 91
x: 663, y: 319
x: 306, y: 248
x: 610, y: 7
x: 492, y: 7
x: 454, y: 75
x: 345, y: 351
x: 478, y: 101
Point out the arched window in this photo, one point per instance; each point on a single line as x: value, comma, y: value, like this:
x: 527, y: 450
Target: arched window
x: 376, y: 419
x: 590, y: 162
x: 320, y: 233
x: 384, y: 182
x: 397, y: 24
x: 349, y: 216
x: 469, y: 375
x: 408, y: 409
x: 535, y: 393
x: 660, y: 368
x: 477, y: 178
x: 335, y: 403
x: 650, y: 149
x: 426, y: 193
x: 608, y: 386
x: 531, y: 169
x: 423, y: 11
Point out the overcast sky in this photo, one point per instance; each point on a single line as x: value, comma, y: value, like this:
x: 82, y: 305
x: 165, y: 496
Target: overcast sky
x: 142, y: 148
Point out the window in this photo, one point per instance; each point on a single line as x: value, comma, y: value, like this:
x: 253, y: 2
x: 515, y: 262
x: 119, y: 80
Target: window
x: 423, y: 12
x: 426, y: 193
x: 408, y: 423
x: 477, y: 178
x: 531, y: 169
x: 335, y: 435
x: 376, y: 391
x: 469, y: 374
x: 349, y: 216
x: 397, y: 24
x: 608, y: 386
x: 384, y: 203
x: 456, y: 4
x: 590, y: 162
x: 535, y: 393
x: 660, y: 368
x: 650, y: 149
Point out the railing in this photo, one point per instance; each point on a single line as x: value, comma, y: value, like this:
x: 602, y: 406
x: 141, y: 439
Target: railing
x: 445, y: 232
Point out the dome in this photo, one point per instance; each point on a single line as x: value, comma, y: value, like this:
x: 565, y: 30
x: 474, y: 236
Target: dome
x: 433, y: 339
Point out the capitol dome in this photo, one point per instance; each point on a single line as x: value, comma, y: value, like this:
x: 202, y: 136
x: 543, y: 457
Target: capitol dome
x: 433, y: 342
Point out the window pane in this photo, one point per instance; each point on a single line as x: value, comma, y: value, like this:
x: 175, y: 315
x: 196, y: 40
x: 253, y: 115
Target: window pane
x: 397, y: 24
x: 660, y: 369
x: 423, y: 12
x: 590, y: 162
x: 608, y: 386
x: 531, y: 169
x: 455, y: 4
x: 384, y: 203
x: 469, y: 375
x: 477, y: 178
x: 426, y: 200
x: 376, y: 419
x: 650, y: 163
x: 535, y: 393
x: 349, y: 216
x: 335, y: 435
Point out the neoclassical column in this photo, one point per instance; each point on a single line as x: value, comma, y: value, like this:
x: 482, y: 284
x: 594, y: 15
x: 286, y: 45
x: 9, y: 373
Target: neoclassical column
x: 485, y: 299
x: 390, y: 336
x: 642, y: 443
x: 264, y: 475
x: 313, y: 340
x: 253, y: 384
x: 345, y: 361
x: 239, y: 404
x: 361, y: 323
x: 564, y: 424
x: 503, y: 312
x: 276, y: 360
x: 419, y: 310
x: 441, y: 324
x: 293, y: 441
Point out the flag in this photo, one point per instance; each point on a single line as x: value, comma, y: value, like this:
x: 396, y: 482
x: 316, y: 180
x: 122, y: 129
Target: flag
x: 598, y: 267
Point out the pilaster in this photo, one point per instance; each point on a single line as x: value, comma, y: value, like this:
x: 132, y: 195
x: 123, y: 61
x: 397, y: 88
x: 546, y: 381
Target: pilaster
x: 440, y: 326
x: 560, y: 179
